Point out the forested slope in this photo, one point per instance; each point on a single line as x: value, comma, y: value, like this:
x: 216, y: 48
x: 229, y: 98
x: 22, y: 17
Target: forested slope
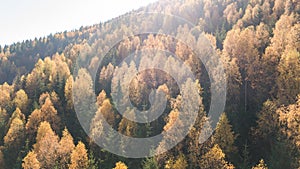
x: 258, y: 42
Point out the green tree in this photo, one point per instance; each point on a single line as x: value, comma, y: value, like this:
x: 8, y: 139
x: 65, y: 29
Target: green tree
x: 150, y: 163
x: 224, y: 136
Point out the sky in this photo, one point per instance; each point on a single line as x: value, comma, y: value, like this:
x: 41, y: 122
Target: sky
x: 26, y: 19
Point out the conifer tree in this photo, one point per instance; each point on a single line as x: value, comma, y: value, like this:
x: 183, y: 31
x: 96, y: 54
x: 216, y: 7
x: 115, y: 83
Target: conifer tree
x: 79, y: 157
x: 30, y: 161
x: 261, y: 165
x: 224, y: 136
x: 46, y: 145
x: 66, y: 146
x: 120, y: 165
x: 214, y: 158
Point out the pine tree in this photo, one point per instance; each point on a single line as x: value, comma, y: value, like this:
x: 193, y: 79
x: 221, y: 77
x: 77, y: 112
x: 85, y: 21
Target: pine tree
x: 224, y: 136
x: 30, y: 161
x: 150, y: 163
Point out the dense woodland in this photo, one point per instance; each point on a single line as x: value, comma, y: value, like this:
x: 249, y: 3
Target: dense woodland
x: 258, y: 42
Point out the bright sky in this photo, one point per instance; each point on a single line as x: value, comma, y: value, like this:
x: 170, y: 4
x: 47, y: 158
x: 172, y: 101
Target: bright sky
x: 26, y: 19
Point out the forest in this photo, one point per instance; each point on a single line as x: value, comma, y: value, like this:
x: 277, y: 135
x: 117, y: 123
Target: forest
x: 257, y: 42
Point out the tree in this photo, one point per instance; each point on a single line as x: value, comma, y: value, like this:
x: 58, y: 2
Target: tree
x: 5, y: 97
x: 289, y: 124
x: 66, y: 146
x: 214, y: 158
x: 79, y: 157
x: 150, y: 163
x: 267, y: 129
x: 101, y: 97
x: 2, y: 161
x: 84, y: 97
x: 180, y: 163
x: 14, y: 138
x: 46, y: 113
x: 288, y: 80
x: 3, y: 121
x: 21, y: 101
x: 46, y: 145
x: 224, y: 136
x: 68, y: 93
x: 120, y: 165
x: 30, y: 161
x: 261, y: 165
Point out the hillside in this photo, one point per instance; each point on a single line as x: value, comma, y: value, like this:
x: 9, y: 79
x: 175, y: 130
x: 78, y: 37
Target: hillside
x: 60, y: 93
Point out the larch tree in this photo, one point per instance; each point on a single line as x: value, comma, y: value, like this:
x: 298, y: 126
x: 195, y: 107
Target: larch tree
x: 120, y: 165
x: 21, y: 101
x: 84, y: 97
x: 46, y: 113
x: 79, y: 157
x: 66, y: 146
x: 214, y: 158
x: 101, y: 97
x: 68, y: 93
x: 261, y: 165
x: 288, y: 80
x: 14, y: 138
x: 46, y: 145
x: 288, y: 118
x: 30, y: 161
x: 5, y: 97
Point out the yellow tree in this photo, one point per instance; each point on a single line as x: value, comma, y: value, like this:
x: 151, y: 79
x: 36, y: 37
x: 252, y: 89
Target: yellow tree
x: 101, y: 97
x: 46, y: 145
x: 120, y: 165
x: 261, y: 165
x: 46, y: 113
x: 21, y: 100
x: 30, y: 161
x: 68, y: 93
x: 179, y: 163
x: 14, y: 138
x: 214, y: 158
x: 288, y: 80
x: 79, y: 157
x: 66, y: 146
